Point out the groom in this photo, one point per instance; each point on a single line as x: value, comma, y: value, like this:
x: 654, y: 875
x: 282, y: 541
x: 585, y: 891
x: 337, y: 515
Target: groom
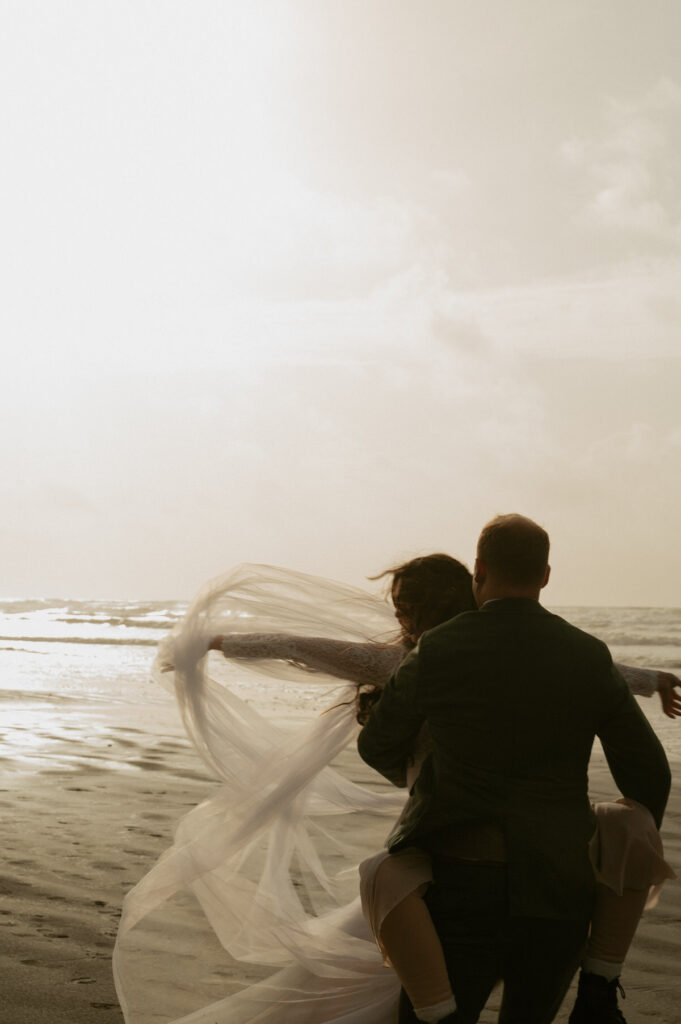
x: 513, y: 697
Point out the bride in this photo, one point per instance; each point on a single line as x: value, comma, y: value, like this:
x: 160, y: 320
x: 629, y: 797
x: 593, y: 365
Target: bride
x: 270, y: 857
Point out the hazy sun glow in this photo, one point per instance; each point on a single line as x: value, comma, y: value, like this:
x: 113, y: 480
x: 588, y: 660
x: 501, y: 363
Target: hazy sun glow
x: 327, y: 285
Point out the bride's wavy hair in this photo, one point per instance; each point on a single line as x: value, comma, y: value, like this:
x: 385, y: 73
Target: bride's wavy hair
x: 432, y: 589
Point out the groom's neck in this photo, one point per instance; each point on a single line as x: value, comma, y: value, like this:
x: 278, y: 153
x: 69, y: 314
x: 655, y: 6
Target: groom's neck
x: 489, y: 585
x: 497, y: 592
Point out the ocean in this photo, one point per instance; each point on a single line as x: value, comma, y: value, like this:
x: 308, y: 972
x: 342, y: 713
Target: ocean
x: 81, y: 648
x: 101, y: 651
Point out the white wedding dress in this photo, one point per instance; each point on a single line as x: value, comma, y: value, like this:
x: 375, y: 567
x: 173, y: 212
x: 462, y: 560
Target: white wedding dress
x: 271, y: 857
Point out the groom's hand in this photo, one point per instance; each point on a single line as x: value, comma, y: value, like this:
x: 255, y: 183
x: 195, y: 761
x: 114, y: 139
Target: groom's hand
x: 667, y: 684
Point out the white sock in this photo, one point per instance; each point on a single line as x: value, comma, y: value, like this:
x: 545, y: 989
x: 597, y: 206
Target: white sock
x: 432, y: 1014
x: 602, y: 967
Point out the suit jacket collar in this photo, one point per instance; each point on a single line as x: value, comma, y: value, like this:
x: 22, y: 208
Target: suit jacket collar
x: 513, y: 606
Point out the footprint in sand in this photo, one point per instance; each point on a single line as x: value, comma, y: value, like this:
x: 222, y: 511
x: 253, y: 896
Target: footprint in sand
x: 199, y: 776
x: 147, y: 765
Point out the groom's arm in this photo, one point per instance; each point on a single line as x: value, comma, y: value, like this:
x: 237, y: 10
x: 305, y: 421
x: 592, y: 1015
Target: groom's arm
x: 387, y: 740
x: 635, y: 755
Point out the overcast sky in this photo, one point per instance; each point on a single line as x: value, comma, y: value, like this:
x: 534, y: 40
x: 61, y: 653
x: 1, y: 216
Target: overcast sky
x: 329, y: 283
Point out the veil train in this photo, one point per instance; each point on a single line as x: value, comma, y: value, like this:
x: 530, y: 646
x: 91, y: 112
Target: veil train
x: 269, y: 859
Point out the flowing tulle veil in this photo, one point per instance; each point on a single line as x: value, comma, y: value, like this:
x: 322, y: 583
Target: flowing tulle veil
x: 269, y: 860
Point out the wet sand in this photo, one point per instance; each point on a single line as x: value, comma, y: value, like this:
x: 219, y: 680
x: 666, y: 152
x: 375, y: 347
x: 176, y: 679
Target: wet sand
x: 89, y: 797
x: 88, y: 802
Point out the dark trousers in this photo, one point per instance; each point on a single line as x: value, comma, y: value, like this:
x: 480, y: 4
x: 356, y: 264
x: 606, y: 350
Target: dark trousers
x: 535, y: 958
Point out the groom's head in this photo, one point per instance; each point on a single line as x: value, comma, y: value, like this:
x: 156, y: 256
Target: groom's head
x: 512, y: 559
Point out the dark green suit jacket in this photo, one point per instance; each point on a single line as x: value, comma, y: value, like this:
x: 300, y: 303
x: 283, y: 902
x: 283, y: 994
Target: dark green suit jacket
x: 513, y: 697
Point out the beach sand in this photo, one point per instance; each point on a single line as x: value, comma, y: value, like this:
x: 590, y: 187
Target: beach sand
x: 90, y: 795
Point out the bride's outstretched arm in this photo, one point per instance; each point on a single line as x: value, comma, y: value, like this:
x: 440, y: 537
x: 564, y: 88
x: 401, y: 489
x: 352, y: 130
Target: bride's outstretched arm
x: 360, y: 663
x: 646, y: 681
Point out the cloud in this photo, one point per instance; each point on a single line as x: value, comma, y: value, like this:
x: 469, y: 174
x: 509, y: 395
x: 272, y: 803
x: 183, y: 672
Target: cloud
x: 460, y: 333
x: 641, y: 447
x: 633, y: 172
x: 627, y: 311
x: 630, y: 310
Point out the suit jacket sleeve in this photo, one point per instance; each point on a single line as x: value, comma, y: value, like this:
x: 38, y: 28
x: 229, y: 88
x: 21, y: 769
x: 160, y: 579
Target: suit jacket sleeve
x: 387, y: 740
x: 634, y: 753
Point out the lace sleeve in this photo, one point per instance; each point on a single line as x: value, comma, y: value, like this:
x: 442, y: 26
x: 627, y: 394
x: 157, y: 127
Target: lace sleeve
x: 641, y: 681
x: 362, y: 663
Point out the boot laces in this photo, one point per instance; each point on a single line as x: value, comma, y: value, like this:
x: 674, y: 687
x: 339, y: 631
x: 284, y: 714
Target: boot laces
x: 617, y: 987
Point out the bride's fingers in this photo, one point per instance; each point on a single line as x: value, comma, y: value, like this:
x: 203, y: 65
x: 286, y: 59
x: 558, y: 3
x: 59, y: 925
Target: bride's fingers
x: 674, y: 710
x: 670, y: 697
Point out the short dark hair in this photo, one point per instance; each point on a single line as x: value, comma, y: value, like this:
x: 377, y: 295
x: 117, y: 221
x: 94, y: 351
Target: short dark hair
x: 514, y: 549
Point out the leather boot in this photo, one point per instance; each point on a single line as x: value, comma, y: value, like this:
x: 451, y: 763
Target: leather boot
x: 597, y: 1001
